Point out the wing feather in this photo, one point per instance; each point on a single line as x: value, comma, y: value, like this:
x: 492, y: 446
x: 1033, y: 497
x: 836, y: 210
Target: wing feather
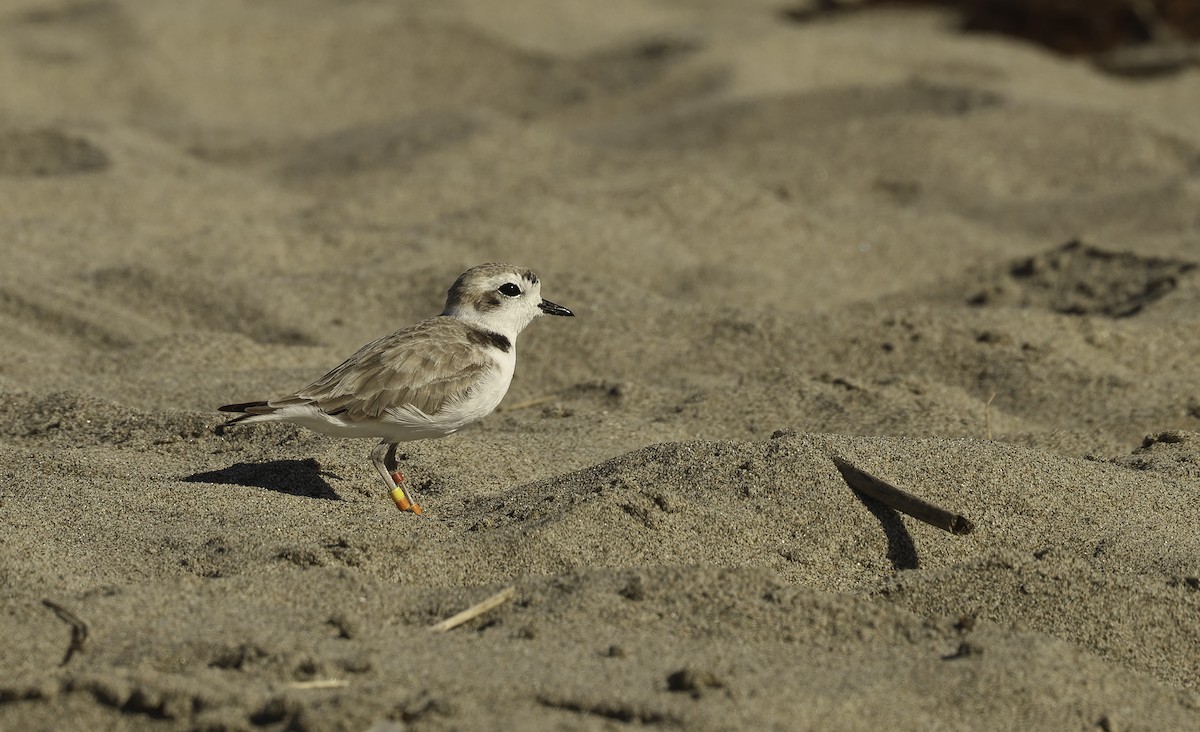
x: 425, y: 366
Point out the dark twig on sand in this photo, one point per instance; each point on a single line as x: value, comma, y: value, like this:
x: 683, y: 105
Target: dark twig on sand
x: 79, y: 630
x: 902, y: 500
x: 475, y: 610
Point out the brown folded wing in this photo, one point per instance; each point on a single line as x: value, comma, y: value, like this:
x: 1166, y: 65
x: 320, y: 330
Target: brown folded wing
x: 425, y: 366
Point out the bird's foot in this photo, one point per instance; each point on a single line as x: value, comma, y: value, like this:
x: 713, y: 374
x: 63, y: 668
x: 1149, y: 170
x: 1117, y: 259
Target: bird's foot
x: 403, y: 501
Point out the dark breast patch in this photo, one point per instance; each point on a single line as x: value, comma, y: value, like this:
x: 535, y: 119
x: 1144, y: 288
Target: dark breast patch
x: 482, y: 337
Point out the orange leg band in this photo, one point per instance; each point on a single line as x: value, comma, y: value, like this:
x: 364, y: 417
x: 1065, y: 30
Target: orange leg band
x: 400, y: 496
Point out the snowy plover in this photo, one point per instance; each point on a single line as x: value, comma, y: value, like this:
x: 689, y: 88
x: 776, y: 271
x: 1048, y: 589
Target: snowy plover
x: 427, y: 380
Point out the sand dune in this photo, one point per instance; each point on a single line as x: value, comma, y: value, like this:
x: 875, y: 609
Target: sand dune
x: 965, y: 264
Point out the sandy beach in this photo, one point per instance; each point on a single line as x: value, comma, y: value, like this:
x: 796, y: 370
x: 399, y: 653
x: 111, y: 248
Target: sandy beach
x: 966, y: 264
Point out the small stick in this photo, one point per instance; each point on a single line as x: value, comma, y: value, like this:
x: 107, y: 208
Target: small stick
x: 987, y: 415
x: 902, y: 500
x: 475, y: 610
x: 79, y: 629
x: 319, y: 684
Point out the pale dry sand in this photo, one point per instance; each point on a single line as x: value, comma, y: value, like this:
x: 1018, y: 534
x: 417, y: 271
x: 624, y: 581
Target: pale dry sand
x: 962, y: 263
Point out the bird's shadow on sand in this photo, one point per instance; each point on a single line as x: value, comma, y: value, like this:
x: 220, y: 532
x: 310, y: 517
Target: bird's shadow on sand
x: 293, y: 477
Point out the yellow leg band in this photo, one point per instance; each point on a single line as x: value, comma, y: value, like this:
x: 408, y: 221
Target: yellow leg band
x: 403, y: 503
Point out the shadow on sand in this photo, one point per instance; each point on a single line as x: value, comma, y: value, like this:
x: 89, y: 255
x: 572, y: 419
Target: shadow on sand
x: 293, y: 477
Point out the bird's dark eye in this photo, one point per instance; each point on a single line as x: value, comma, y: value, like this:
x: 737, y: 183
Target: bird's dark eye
x: 510, y: 289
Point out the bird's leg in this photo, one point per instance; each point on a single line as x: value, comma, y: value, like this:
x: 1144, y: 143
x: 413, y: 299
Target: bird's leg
x: 383, y: 457
x: 389, y: 462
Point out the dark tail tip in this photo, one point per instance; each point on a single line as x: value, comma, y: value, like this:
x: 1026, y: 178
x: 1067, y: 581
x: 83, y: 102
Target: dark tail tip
x: 242, y: 408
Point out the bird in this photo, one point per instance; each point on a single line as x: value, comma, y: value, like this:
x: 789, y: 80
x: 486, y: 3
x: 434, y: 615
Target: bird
x: 424, y: 381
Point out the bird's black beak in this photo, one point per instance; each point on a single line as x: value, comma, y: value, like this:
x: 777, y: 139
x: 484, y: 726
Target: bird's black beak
x: 550, y: 308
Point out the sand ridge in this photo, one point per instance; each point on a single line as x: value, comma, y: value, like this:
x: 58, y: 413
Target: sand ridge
x: 963, y: 263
